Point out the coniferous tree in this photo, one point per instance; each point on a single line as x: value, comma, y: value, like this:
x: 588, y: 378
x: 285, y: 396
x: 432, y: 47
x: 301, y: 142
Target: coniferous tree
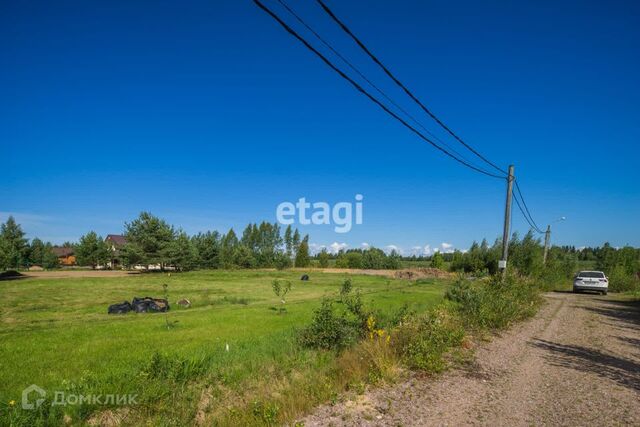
x: 92, y: 250
x: 14, y: 246
x: 36, y: 252
x: 149, y: 238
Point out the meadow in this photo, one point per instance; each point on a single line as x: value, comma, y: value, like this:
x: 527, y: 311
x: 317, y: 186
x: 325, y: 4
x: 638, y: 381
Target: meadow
x: 230, y: 358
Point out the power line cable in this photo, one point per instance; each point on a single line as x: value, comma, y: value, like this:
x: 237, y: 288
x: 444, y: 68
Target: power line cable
x: 401, y: 85
x: 533, y: 227
x: 367, y: 94
x: 361, y: 74
x: 526, y: 208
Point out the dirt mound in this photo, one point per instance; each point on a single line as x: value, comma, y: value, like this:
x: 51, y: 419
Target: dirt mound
x: 421, y: 273
x: 407, y: 273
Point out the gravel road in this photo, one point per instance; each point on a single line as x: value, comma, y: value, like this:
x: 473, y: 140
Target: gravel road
x: 576, y: 363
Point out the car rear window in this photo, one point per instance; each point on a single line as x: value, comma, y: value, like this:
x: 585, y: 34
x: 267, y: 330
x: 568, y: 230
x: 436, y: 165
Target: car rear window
x: 591, y: 274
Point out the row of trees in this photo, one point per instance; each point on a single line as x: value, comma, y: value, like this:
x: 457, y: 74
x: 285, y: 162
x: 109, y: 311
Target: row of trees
x: 152, y: 241
x: 370, y: 258
x: 622, y: 265
x: 16, y: 251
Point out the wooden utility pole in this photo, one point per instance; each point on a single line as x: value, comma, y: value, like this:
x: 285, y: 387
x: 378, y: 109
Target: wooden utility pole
x: 547, y: 239
x: 502, y: 264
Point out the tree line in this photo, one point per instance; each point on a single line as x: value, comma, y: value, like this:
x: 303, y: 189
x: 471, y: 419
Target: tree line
x: 153, y: 241
x: 150, y: 240
x: 621, y: 265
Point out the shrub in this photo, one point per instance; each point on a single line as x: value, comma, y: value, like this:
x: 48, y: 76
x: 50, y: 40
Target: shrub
x: 345, y: 289
x: 437, y: 261
x: 328, y: 330
x: 423, y: 342
x: 496, y: 303
x: 621, y: 281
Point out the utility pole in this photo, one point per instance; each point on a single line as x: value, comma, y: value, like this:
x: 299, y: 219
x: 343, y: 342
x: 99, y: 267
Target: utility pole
x: 547, y: 238
x: 502, y: 264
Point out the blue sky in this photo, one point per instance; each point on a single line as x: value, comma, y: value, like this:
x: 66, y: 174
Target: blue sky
x: 208, y: 114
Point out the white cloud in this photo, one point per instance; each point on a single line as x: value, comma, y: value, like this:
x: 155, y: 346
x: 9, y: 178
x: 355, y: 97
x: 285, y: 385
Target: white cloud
x: 315, y: 248
x: 446, y: 248
x: 336, y: 247
x: 365, y: 245
x: 416, y: 251
x: 390, y: 248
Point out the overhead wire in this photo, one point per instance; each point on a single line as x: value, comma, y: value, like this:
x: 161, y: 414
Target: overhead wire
x: 535, y: 226
x: 518, y: 193
x: 346, y: 29
x: 365, y: 78
x: 367, y: 94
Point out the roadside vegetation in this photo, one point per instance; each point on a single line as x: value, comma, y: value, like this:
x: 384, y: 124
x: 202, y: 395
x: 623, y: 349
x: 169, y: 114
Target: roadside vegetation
x: 621, y: 265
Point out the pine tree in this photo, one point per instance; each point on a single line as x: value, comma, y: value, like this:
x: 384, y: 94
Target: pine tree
x: 14, y: 246
x: 36, y: 252
x: 150, y: 238
x: 182, y: 253
x: 92, y: 250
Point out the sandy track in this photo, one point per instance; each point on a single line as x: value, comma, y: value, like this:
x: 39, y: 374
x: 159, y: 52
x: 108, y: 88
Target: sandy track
x: 576, y: 363
x: 69, y: 274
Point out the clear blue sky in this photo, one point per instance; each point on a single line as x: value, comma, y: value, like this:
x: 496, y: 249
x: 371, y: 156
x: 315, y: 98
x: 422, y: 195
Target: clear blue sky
x: 208, y: 114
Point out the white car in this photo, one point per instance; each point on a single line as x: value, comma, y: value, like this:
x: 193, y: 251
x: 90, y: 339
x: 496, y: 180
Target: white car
x: 591, y: 281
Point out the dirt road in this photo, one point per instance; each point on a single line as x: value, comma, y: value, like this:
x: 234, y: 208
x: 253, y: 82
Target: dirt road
x: 70, y: 274
x: 576, y: 363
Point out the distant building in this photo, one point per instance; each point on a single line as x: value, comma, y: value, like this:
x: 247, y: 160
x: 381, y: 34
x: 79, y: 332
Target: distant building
x: 65, y: 255
x: 115, y: 242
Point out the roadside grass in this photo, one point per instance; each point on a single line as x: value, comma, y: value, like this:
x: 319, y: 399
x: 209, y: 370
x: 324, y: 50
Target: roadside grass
x: 55, y: 333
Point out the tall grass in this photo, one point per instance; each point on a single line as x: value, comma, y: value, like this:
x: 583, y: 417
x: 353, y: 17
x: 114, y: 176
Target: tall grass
x: 272, y: 376
x: 495, y: 303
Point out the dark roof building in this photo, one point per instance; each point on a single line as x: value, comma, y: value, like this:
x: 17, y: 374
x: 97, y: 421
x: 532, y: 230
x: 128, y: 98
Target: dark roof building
x: 116, y: 239
x: 62, y: 251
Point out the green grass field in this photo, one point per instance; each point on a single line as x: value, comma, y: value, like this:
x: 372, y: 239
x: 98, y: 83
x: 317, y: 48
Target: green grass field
x: 55, y: 333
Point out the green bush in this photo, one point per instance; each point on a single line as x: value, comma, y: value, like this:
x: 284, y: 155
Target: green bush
x: 328, y: 330
x: 621, y: 281
x: 496, y: 303
x: 423, y: 342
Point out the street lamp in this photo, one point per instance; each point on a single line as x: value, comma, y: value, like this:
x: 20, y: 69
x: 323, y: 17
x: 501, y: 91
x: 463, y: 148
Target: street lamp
x: 547, y: 238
